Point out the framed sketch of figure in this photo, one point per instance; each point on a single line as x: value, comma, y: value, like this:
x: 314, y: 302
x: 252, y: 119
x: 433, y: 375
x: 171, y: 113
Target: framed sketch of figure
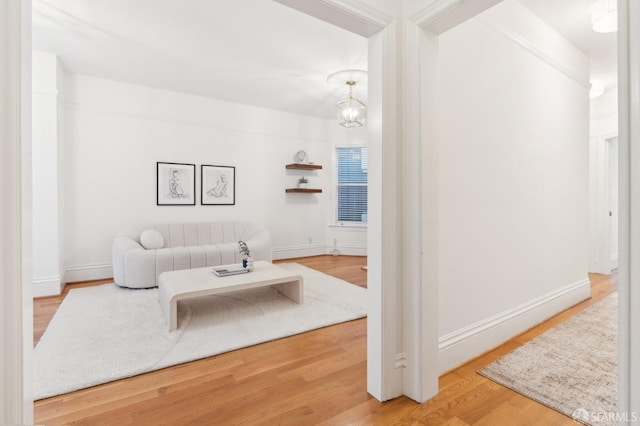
x: 176, y: 184
x: 217, y: 185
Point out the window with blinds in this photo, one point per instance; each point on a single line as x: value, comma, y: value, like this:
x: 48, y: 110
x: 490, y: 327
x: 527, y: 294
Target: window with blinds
x: 351, y: 187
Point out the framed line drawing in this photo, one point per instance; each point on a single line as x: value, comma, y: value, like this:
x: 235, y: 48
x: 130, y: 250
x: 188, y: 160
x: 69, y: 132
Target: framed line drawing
x: 175, y: 184
x: 217, y: 185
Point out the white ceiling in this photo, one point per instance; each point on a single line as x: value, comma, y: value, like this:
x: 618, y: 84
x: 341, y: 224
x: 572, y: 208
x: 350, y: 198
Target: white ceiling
x: 255, y: 52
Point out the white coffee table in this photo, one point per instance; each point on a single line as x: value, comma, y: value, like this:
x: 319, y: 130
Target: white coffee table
x: 188, y: 283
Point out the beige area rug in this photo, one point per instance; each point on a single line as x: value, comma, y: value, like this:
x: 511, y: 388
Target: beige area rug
x: 571, y: 368
x: 104, y: 333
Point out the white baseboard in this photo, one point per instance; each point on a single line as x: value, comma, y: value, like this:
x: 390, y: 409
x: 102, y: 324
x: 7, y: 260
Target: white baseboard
x: 614, y: 261
x: 462, y: 345
x: 316, y: 250
x: 48, y: 286
x: 88, y: 272
x: 349, y: 250
x: 298, y: 251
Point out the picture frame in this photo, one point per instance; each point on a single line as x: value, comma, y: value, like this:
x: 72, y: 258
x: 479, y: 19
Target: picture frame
x: 175, y: 184
x: 217, y: 185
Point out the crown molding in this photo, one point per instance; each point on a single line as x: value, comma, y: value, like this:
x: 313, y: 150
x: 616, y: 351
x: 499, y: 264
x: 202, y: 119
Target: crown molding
x: 352, y: 15
x: 429, y: 14
x: 526, y: 45
x: 362, y: 11
x: 603, y: 116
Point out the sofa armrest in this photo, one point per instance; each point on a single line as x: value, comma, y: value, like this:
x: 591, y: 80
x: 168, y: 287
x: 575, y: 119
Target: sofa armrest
x: 121, y: 245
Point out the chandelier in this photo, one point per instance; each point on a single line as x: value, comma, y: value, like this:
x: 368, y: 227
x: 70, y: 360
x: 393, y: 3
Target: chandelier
x: 351, y: 112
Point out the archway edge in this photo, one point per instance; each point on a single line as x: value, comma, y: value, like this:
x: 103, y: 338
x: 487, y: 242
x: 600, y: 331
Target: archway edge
x: 16, y: 314
x: 402, y: 339
x: 629, y: 192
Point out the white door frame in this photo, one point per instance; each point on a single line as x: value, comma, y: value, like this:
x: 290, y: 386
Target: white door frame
x: 600, y: 204
x: 16, y: 312
x: 629, y: 218
x: 609, y: 249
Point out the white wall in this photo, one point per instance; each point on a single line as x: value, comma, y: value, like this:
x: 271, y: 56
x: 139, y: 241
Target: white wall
x: 115, y: 133
x: 513, y: 152
x: 48, y: 172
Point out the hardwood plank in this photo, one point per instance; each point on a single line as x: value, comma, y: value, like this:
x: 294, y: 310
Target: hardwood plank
x: 318, y: 377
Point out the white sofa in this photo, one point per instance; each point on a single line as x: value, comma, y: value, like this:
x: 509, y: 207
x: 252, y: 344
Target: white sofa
x: 183, y: 246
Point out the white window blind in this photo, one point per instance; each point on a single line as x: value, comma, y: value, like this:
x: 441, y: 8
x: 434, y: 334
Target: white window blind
x: 351, y: 188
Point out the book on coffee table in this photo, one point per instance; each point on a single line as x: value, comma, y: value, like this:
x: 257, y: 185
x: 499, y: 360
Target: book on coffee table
x: 230, y: 270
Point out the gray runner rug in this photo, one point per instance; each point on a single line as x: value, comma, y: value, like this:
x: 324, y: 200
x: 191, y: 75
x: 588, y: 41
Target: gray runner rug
x: 571, y: 368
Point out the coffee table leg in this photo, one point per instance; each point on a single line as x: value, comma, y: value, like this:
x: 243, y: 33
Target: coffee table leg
x: 169, y: 307
x: 173, y: 315
x: 293, y: 290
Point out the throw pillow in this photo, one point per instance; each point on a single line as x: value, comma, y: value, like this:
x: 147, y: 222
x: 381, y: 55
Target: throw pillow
x: 151, y: 239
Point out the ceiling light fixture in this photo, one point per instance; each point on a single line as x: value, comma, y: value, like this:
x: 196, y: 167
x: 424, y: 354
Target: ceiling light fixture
x: 604, y: 16
x: 350, y: 112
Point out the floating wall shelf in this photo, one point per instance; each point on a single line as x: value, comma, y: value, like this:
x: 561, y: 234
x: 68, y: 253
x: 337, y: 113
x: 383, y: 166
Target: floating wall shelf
x: 304, y: 190
x: 304, y: 166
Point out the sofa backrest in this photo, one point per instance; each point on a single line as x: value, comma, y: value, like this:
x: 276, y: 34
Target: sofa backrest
x: 208, y: 233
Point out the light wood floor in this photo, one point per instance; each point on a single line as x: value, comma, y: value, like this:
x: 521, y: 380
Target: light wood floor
x: 317, y: 377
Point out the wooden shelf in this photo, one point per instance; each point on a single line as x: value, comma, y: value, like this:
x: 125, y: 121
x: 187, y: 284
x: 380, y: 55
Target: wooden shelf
x: 304, y: 166
x: 304, y: 190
